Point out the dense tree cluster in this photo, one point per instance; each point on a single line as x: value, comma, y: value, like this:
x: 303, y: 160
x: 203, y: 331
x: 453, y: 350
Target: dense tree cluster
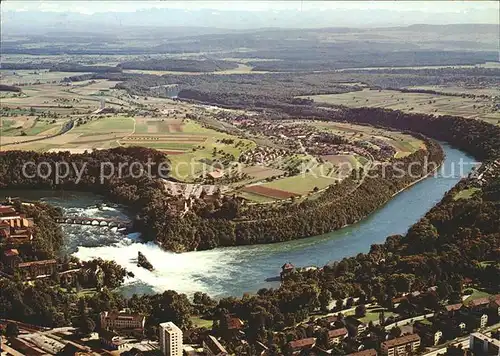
x: 246, y: 90
x: 48, y: 236
x: 180, y: 65
x: 311, y: 60
x: 5, y: 87
x: 119, y: 173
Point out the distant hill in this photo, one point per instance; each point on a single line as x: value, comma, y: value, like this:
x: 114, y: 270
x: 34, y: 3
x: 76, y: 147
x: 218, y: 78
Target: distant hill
x: 196, y: 22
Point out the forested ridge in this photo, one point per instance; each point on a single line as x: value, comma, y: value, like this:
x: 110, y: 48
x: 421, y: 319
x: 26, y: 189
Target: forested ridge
x: 180, y: 65
x: 229, y: 223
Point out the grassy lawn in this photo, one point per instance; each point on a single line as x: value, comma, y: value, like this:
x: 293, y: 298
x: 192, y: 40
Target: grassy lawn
x: 6, y: 123
x: 318, y: 176
x: 201, y: 323
x: 372, y: 314
x: 40, y: 127
x: 301, y: 184
x: 476, y: 295
x: 466, y: 193
x: 107, y: 125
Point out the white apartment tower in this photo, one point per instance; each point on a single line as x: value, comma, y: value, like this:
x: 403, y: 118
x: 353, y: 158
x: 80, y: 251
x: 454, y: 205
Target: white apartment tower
x: 170, y: 339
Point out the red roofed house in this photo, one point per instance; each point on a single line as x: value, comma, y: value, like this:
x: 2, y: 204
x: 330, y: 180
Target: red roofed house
x: 495, y: 304
x: 479, y: 303
x: 216, y: 174
x: 231, y: 327
x: 7, y: 210
x: 401, y: 346
x: 369, y: 352
x: 4, y: 230
x: 37, y: 269
x: 297, y: 346
x: 234, y: 323
x: 336, y: 336
x: 11, y: 258
x: 453, y: 308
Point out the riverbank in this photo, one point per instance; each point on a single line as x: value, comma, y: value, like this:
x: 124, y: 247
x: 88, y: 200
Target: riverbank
x: 232, y: 271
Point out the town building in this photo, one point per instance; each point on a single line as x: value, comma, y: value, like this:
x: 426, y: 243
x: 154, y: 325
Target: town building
x: 112, y: 341
x: 476, y: 319
x: 355, y: 326
x: 122, y: 321
x: 4, y: 230
x: 430, y: 334
x: 212, y: 347
x: 331, y: 321
x: 453, y: 308
x: 302, y: 345
x: 369, y: 352
x: 10, y: 258
x: 232, y: 327
x: 337, y: 335
x: 170, y: 339
x: 36, y: 269
x: 481, y: 345
x: 401, y: 346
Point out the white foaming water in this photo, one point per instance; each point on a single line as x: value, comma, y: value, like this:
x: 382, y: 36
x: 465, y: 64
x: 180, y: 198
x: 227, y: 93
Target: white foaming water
x: 185, y: 273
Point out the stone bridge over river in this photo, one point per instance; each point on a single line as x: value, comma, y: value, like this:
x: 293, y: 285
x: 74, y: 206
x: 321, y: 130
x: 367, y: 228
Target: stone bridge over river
x: 100, y: 222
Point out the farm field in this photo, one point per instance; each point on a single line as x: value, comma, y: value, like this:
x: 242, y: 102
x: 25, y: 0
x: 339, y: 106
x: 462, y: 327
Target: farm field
x: 304, y: 183
x: 241, y: 69
x: 25, y: 77
x: 26, y: 127
x: 108, y: 125
x: 66, y: 100
x: 478, y: 108
x: 189, y: 144
x: 261, y: 172
x: 269, y: 192
x: 459, y: 90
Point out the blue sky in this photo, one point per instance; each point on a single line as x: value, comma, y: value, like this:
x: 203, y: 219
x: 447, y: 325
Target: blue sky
x: 92, y: 6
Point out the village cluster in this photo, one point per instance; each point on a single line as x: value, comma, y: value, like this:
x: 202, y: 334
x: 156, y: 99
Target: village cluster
x: 472, y: 323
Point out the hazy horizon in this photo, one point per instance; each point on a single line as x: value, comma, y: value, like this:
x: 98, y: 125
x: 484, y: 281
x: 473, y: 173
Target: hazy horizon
x: 24, y: 16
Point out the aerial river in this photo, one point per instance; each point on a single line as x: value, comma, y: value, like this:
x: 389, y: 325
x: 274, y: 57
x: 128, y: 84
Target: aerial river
x: 235, y: 270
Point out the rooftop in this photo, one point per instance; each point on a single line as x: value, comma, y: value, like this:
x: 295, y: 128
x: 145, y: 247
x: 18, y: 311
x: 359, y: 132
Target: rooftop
x: 11, y: 253
x: 369, y: 352
x: 234, y: 323
x: 401, y: 340
x: 37, y: 263
x: 337, y: 332
x: 302, y: 343
x: 487, y: 338
x: 480, y: 301
x: 214, y: 345
x: 454, y: 307
x: 123, y: 316
x: 169, y: 326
